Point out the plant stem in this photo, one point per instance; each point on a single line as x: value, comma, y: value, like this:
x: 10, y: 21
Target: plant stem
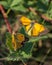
x: 23, y: 62
x: 41, y: 15
x: 6, y: 19
x: 1, y: 59
x: 40, y: 38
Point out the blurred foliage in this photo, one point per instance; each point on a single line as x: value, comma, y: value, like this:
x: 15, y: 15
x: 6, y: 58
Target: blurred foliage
x: 30, y: 48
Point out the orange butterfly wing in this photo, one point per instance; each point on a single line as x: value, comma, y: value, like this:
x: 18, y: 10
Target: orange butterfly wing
x: 37, y: 29
x: 25, y: 21
x: 16, y: 42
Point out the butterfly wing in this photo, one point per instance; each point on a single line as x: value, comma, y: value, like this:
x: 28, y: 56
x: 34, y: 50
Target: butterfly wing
x: 14, y: 42
x: 25, y: 21
x: 37, y: 29
x: 17, y: 40
x: 28, y: 29
x: 20, y: 37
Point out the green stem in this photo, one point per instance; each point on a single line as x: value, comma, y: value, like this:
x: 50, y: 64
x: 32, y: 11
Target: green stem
x: 23, y: 62
x: 34, y: 40
x: 40, y: 38
x: 8, y: 11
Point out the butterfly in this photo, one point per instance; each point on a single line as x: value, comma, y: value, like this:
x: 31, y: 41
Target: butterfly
x: 32, y: 28
x: 18, y: 40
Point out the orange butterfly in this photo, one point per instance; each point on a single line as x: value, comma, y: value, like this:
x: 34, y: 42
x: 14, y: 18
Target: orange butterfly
x: 17, y: 40
x: 32, y: 28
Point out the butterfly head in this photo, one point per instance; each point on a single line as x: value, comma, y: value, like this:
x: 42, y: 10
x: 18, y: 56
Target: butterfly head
x: 18, y: 40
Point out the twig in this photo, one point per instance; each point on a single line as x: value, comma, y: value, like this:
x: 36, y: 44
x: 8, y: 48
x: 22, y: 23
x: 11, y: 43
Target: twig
x: 1, y: 59
x: 39, y: 14
x: 6, y: 19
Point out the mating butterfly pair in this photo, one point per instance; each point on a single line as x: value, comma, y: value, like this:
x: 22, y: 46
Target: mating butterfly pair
x: 32, y: 29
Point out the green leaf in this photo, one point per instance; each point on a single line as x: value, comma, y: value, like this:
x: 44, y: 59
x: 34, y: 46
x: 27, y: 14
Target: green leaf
x: 19, y: 8
x: 30, y: 2
x: 13, y: 56
x: 41, y: 6
x: 45, y: 2
x: 9, y: 41
x: 27, y: 47
x: 22, y: 30
x: 49, y: 13
x: 22, y: 53
x: 15, y: 2
x: 9, y: 1
x: 4, y: 3
x: 26, y: 55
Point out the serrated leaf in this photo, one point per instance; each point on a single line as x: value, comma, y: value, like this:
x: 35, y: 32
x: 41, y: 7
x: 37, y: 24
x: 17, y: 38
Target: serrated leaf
x: 27, y: 47
x: 22, y: 53
x: 9, y: 41
x: 13, y: 56
x: 15, y: 2
x: 26, y: 55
